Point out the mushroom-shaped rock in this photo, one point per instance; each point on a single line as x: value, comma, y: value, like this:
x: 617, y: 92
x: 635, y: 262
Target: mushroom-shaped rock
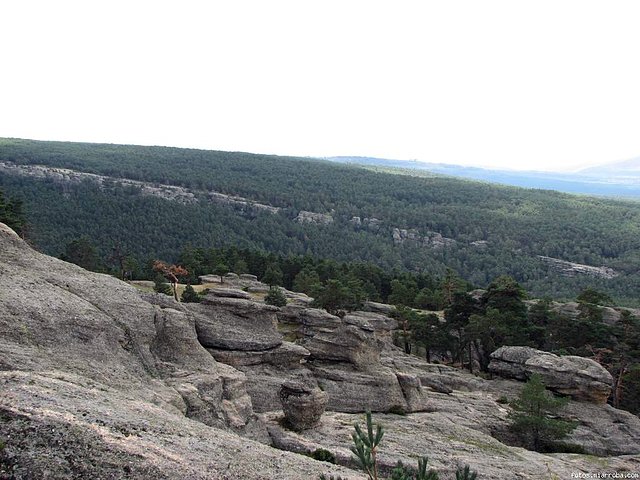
x: 581, y: 378
x: 302, y: 405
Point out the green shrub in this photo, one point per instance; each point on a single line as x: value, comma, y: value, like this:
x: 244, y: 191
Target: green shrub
x: 323, y: 455
x: 275, y: 297
x: 189, y: 295
x: 160, y: 285
x: 397, y: 410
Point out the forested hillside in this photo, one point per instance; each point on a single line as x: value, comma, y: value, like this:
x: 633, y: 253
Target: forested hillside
x: 325, y: 210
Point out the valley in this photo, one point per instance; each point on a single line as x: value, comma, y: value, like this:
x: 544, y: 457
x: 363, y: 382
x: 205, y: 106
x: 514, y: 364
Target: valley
x: 155, y: 201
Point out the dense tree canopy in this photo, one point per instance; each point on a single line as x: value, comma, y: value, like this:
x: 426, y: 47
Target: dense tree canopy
x: 497, y: 230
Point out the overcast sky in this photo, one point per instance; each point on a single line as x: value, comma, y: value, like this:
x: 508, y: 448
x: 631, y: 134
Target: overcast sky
x: 545, y: 85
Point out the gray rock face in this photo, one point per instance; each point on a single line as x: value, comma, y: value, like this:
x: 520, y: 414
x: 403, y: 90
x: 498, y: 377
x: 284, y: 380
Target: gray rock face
x: 288, y: 355
x: 210, y: 278
x: 228, y: 293
x: 236, y: 324
x: 213, y: 393
x: 345, y: 359
x: 312, y: 217
x: 455, y: 435
x: 429, y: 240
x: 346, y: 343
x: 570, y: 269
x: 509, y: 362
x: 377, y: 307
x: 302, y: 406
x: 581, y: 378
x: 96, y: 383
x: 379, y: 322
x: 352, y: 390
x: 266, y: 370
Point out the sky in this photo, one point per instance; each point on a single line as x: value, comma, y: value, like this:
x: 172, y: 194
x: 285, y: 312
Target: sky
x: 538, y: 85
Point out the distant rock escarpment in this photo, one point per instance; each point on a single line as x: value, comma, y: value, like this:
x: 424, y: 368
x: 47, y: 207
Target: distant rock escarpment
x: 571, y: 269
x: 167, y: 192
x: 429, y: 239
x: 101, y: 380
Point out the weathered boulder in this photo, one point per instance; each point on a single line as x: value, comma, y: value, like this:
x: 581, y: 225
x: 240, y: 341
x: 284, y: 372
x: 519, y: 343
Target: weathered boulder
x: 315, y: 320
x: 415, y: 396
x: 213, y: 393
x: 578, y: 377
x: 382, y: 325
x: 509, y: 362
x: 302, y: 405
x: 236, y: 324
x: 228, y: 293
x: 296, y: 298
x: 347, y: 343
x: 376, y: 307
x: 354, y: 390
x: 210, y: 278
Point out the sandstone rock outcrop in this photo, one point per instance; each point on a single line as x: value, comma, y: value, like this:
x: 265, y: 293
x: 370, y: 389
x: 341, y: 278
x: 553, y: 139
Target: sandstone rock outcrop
x: 577, y: 377
x: 97, y: 382
x: 236, y: 324
x: 313, y: 217
x: 302, y: 405
x: 345, y: 360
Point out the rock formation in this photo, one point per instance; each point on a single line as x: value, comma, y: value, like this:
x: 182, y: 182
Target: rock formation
x: 167, y: 192
x: 99, y: 380
x: 578, y: 377
x: 429, y: 240
x: 302, y: 405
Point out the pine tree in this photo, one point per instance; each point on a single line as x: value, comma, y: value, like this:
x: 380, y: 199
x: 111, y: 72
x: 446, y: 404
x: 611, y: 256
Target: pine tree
x: 365, y: 446
x: 533, y: 416
x: 466, y: 473
x: 275, y: 297
x: 272, y: 275
x: 189, y: 295
x: 11, y: 213
x: 160, y: 285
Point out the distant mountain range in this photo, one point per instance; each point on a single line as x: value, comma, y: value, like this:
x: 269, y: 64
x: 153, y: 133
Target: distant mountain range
x: 618, y: 179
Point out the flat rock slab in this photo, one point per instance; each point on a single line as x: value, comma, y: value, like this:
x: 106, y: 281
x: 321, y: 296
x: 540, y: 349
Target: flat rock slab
x: 229, y: 293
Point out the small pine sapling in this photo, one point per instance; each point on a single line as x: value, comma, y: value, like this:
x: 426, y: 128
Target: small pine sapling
x: 189, y: 295
x: 466, y: 473
x: 275, y: 297
x: 400, y: 472
x: 366, y: 445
